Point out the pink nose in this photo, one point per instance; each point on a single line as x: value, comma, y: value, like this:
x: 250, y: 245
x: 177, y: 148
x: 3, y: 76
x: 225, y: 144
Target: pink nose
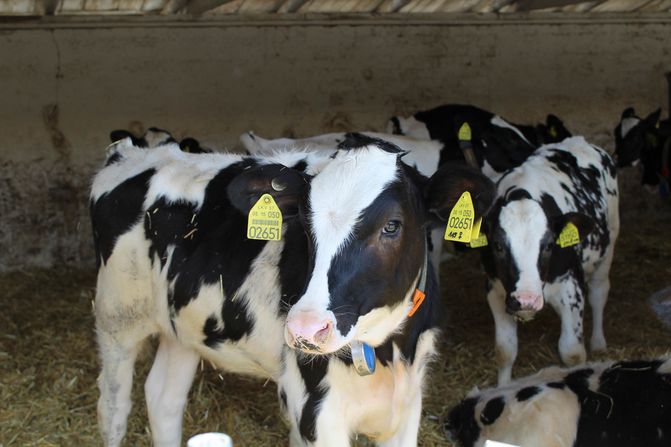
x: 308, y: 331
x: 529, y: 300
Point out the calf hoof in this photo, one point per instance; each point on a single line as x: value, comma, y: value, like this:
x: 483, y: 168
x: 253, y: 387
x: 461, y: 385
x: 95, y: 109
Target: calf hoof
x: 597, y: 344
x: 573, y: 359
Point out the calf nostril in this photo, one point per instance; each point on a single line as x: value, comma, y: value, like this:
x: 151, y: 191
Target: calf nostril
x: 322, y: 335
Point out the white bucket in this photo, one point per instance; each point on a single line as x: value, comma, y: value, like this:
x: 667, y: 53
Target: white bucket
x: 210, y: 440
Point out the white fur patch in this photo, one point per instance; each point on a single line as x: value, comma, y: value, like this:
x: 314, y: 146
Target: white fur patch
x: 524, y: 223
x: 500, y: 122
x: 627, y: 124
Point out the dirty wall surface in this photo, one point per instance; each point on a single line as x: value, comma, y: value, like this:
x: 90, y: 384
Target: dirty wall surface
x: 64, y: 89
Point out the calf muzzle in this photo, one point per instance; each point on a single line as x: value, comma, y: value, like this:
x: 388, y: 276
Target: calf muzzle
x: 308, y: 331
x: 524, y: 305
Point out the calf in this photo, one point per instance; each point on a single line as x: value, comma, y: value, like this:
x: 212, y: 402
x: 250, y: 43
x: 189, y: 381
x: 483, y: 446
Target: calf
x: 498, y: 145
x: 611, y: 404
x: 174, y: 261
x: 646, y: 141
x: 573, y: 183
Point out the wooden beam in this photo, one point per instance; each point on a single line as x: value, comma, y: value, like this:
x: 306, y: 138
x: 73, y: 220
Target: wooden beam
x: 291, y: 6
x: 530, y: 5
x: 197, y: 7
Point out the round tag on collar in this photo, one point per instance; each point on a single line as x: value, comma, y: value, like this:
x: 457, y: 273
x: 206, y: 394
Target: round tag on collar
x: 363, y: 358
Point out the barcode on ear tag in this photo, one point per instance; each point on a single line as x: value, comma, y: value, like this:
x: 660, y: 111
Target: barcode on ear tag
x: 464, y: 133
x: 461, y: 220
x: 569, y: 236
x: 480, y: 241
x: 265, y: 220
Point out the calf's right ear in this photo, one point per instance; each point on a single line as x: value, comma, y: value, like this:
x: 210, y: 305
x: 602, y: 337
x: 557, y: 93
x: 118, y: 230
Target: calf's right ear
x: 285, y: 185
x: 448, y: 184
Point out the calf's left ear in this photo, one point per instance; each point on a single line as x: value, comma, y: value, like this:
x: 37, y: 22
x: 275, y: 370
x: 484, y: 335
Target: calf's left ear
x: 450, y: 182
x: 583, y: 223
x: 285, y: 185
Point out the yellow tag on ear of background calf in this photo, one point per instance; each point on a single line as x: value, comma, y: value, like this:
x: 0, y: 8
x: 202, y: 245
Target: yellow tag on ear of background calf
x: 553, y: 132
x: 265, y: 220
x: 569, y: 236
x: 480, y: 241
x: 460, y: 222
x: 464, y: 133
x: 475, y: 233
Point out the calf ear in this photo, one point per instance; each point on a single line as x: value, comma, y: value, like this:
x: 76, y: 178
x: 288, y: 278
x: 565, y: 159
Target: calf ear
x: 117, y: 135
x: 652, y: 119
x: 450, y: 182
x: 583, y: 223
x: 285, y: 185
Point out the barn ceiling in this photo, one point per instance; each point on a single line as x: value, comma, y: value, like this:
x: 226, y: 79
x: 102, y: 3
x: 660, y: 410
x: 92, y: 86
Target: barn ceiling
x: 285, y: 7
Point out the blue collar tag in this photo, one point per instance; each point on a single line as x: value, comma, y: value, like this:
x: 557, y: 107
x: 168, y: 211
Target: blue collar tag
x: 363, y: 358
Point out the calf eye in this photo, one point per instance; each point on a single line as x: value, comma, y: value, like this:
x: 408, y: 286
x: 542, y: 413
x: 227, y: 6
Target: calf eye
x: 497, y: 246
x: 391, y: 227
x: 547, y: 246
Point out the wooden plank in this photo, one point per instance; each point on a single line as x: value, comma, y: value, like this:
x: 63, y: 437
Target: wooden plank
x: 620, y: 5
x: 530, y: 5
x: 197, y: 7
x: 291, y: 6
x: 18, y: 7
x: 459, y: 5
x: 259, y: 6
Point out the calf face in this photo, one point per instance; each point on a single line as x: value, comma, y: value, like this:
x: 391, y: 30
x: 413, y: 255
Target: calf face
x: 366, y: 216
x: 522, y: 251
x: 635, y: 137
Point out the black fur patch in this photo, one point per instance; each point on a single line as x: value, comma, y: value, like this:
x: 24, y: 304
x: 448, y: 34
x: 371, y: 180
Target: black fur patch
x: 116, y: 211
x: 492, y: 410
x: 357, y: 140
x: 632, y: 407
x: 313, y: 373
x: 461, y: 424
x: 527, y: 393
x: 557, y: 385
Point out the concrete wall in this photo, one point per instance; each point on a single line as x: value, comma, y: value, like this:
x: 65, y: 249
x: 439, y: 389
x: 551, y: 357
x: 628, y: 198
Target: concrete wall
x: 62, y: 90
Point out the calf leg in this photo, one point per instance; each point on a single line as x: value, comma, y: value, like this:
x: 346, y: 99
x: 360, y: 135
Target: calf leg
x: 115, y: 382
x: 506, y: 332
x: 166, y: 391
x: 569, y: 302
x: 409, y: 429
x: 599, y: 287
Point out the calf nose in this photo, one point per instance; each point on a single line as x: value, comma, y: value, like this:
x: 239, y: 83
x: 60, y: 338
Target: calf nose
x: 526, y: 301
x: 308, y: 331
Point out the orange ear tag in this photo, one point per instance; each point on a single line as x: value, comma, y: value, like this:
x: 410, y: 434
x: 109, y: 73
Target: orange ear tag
x: 417, y: 300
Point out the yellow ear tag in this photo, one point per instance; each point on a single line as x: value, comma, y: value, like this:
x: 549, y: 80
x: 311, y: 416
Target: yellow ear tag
x: 460, y: 223
x: 464, y: 133
x: 553, y: 132
x: 480, y: 241
x: 265, y: 220
x: 569, y: 236
x: 475, y: 233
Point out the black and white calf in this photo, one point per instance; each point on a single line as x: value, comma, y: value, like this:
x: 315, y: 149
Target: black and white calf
x: 568, y: 182
x: 175, y: 262
x: 155, y: 137
x: 498, y: 144
x: 611, y: 404
x: 646, y: 141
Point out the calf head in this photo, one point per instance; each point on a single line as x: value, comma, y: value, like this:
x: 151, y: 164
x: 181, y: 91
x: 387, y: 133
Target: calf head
x: 410, y: 126
x: 366, y: 216
x: 523, y: 252
x: 553, y: 131
x: 638, y: 140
